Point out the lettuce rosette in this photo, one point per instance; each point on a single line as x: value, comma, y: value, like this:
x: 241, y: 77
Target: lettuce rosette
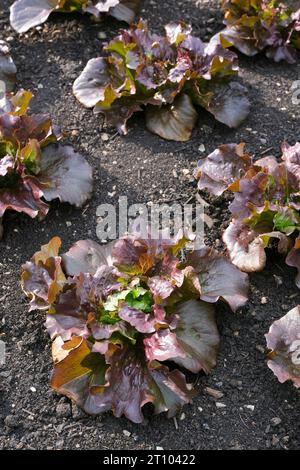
x: 124, y: 316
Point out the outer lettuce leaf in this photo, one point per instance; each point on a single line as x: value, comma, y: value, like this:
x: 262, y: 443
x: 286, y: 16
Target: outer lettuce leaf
x: 218, y: 277
x: 169, y: 74
x: 85, y: 256
x: 283, y: 339
x: 123, y: 383
x: 125, y: 10
x: 25, y: 14
x: 25, y: 197
x: 8, y: 70
x: 113, y: 328
x: 266, y: 203
x: 293, y: 259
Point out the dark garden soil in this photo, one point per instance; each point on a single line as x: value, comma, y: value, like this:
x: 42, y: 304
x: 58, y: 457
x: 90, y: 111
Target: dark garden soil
x: 146, y: 169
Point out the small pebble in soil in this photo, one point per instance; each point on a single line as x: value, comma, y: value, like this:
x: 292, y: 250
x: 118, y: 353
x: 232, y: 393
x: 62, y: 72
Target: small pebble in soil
x: 264, y: 300
x: 33, y: 389
x: 126, y: 433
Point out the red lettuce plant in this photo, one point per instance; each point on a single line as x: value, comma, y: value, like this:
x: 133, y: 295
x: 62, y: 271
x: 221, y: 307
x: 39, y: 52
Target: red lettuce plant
x: 8, y: 71
x: 254, y: 26
x: 117, y: 313
x: 169, y: 75
x: 266, y: 203
x: 25, y: 14
x: 30, y: 168
x: 283, y: 339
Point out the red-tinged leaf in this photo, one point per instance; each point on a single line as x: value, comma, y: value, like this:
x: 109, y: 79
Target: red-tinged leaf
x: 230, y: 104
x: 283, y: 339
x: 291, y: 157
x: 24, y: 197
x: 267, y: 26
x: 8, y: 70
x: 66, y: 326
x: 65, y: 175
x: 125, y: 10
x: 6, y: 165
x: 219, y: 278
x: 89, y: 88
x: 167, y: 75
x: 142, y: 322
x: 26, y: 14
x: 160, y: 287
x: 293, y: 259
x: 163, y: 346
x: 42, y: 278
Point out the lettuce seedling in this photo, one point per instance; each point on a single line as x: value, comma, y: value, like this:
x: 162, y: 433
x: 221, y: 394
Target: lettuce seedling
x: 168, y: 75
x: 254, y: 26
x: 266, y: 203
x: 116, y: 313
x: 25, y: 14
x: 33, y: 167
x: 283, y: 339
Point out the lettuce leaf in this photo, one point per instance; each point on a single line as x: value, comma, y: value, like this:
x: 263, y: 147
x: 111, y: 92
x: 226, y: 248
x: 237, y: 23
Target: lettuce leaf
x: 254, y: 26
x: 266, y: 204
